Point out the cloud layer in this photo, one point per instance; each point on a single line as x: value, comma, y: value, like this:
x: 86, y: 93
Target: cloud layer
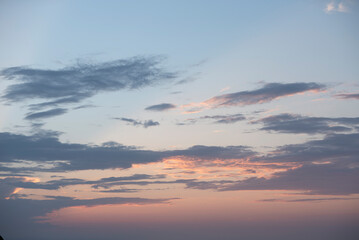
x: 69, y: 156
x: 293, y: 123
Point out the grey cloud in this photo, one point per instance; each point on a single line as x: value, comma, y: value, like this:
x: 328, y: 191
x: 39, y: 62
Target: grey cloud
x: 328, y: 166
x: 108, y: 185
x: 61, y: 101
x: 265, y: 94
x: 47, y: 148
x: 317, y: 179
x: 9, y: 184
x: 46, y: 114
x: 226, y: 119
x: 6, y: 190
x: 69, y: 156
x: 84, y: 106
x: 327, y: 179
x: 306, y: 199
x: 339, y: 148
x: 145, y: 124
x: 215, y: 152
x: 125, y: 190
x: 220, y: 119
x: 347, y: 96
x: 290, y: 123
x: 150, y: 123
x: 76, y: 83
x: 161, y: 107
x: 25, y: 212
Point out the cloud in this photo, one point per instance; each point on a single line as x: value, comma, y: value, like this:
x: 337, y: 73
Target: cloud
x: 85, y: 106
x: 348, y: 96
x: 161, y: 107
x: 334, y: 148
x: 317, y: 179
x: 9, y: 184
x: 307, y: 199
x: 214, y: 152
x: 326, y: 166
x: 76, y: 83
x: 267, y: 93
x: 124, y: 190
x: 68, y: 156
x: 219, y: 119
x: 46, y: 148
x: 292, y: 123
x: 139, y: 183
x: 334, y: 6
x: 323, y: 167
x: 28, y: 212
x: 46, y: 114
x: 145, y: 124
x: 6, y: 190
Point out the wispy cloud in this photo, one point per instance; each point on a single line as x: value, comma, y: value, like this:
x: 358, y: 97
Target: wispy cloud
x: 306, y: 199
x: 335, y: 6
x: 293, y: 123
x: 267, y: 93
x: 220, y: 119
x: 145, y: 124
x: 9, y: 184
x: 46, y: 114
x: 347, y: 96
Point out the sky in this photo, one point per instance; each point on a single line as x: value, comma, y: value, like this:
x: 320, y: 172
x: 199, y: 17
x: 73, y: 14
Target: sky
x: 179, y: 120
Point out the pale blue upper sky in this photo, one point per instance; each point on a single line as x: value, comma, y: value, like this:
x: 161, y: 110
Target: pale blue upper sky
x: 232, y: 45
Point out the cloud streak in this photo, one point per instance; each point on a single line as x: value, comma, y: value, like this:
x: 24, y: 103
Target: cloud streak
x: 218, y: 119
x: 46, y: 114
x: 9, y: 184
x: 267, y: 93
x: 293, y: 123
x: 145, y: 124
x: 160, y: 107
x: 348, y: 96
